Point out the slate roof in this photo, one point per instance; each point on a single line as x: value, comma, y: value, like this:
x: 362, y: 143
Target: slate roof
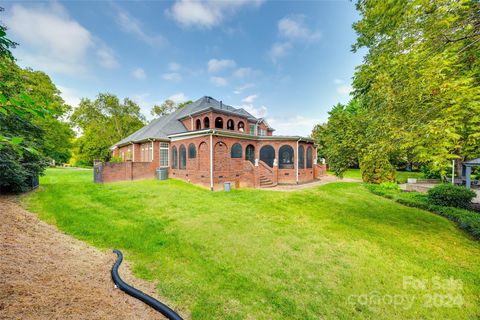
x: 169, y: 124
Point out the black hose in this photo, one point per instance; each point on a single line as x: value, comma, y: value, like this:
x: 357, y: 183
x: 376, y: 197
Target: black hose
x: 125, y: 287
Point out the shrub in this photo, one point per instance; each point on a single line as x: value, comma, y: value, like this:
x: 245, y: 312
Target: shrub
x: 376, y: 168
x: 116, y: 159
x: 451, y: 196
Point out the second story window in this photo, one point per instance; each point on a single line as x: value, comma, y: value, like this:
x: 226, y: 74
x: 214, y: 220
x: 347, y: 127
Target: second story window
x: 198, y: 124
x: 262, y: 132
x: 241, y: 126
x: 219, y: 123
x: 230, y: 124
x: 206, y: 123
x: 252, y: 129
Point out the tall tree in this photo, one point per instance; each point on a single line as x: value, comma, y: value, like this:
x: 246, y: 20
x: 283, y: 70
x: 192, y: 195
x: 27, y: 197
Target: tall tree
x: 103, y: 122
x: 167, y: 107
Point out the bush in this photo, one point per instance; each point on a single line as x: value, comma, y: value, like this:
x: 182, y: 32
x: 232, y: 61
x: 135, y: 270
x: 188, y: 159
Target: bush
x: 451, y: 196
x: 376, y: 168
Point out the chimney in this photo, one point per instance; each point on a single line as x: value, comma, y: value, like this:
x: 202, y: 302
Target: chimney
x: 221, y: 104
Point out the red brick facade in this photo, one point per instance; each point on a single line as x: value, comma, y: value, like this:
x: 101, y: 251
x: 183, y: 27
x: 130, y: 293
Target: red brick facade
x: 204, y: 155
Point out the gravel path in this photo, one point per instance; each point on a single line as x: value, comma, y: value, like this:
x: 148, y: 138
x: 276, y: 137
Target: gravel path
x: 45, y: 274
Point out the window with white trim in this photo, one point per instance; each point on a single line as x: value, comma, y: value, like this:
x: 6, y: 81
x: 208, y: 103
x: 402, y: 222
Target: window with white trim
x: 163, y: 154
x: 262, y: 132
x: 252, y: 129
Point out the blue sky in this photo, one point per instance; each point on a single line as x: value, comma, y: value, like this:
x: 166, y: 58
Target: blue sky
x: 287, y: 61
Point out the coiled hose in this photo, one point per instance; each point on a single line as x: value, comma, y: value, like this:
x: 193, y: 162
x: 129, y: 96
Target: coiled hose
x: 125, y: 287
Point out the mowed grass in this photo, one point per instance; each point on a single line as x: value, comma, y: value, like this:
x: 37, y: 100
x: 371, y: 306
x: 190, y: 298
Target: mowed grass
x: 333, y: 252
x: 402, y: 176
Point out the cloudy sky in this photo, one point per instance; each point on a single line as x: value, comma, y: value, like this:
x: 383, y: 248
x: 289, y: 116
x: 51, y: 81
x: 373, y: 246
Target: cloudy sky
x: 287, y: 61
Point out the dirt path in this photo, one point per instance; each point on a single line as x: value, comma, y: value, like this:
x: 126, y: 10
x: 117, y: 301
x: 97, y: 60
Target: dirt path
x: 45, y: 274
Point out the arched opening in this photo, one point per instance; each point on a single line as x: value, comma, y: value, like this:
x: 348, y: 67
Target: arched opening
x: 285, y: 155
x: 219, y: 123
x: 241, y: 126
x: 309, y: 157
x: 267, y: 155
x: 174, y: 158
x: 230, y: 125
x: 250, y: 153
x: 206, y: 122
x: 221, y: 161
x: 183, y: 157
x: 301, y: 157
x: 236, y: 151
x: 192, y: 151
x: 198, y: 124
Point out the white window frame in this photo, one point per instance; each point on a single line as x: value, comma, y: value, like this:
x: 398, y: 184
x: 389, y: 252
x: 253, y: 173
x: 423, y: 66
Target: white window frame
x: 164, y: 146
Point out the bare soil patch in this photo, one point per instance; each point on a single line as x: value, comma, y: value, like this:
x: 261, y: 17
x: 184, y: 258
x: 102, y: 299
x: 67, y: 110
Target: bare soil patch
x: 45, y: 274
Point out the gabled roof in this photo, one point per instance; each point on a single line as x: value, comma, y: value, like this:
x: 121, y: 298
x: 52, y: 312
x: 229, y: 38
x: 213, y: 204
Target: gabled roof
x: 164, y: 126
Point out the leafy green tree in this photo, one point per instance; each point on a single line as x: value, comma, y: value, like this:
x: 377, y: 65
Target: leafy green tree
x: 167, y: 107
x: 103, y: 122
x: 418, y: 89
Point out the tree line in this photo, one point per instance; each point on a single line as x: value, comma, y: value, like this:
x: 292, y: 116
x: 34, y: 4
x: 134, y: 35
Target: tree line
x: 416, y: 96
x: 38, y: 129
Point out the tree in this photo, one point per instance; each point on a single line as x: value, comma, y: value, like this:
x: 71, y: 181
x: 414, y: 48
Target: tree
x: 104, y: 122
x: 418, y: 89
x: 167, y: 107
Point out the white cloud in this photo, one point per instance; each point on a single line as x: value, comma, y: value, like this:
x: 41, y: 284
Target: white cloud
x: 106, y: 57
x: 206, y: 14
x: 70, y: 96
x: 240, y: 89
x: 173, y: 66
x: 279, y: 50
x: 344, y: 89
x: 172, y: 76
x: 218, y: 81
x: 258, y: 112
x: 54, y: 42
x: 250, y: 98
x: 139, y: 74
x: 178, y: 97
x: 131, y: 25
x: 217, y: 65
x: 243, y: 72
x: 296, y: 125
x: 59, y: 43
x: 291, y: 30
x: 294, y: 28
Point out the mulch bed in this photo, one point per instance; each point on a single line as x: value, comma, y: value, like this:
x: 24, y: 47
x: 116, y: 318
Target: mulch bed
x: 45, y: 274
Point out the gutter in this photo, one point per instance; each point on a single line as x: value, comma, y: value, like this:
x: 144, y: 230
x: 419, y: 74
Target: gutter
x: 211, y: 160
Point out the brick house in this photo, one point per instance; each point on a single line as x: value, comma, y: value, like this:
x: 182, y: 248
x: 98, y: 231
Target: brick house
x: 209, y: 143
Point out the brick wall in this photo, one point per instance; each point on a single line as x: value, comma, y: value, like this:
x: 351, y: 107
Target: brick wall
x: 128, y: 170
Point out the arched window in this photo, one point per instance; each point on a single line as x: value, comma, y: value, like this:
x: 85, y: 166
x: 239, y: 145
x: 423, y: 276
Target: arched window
x: 230, y: 125
x: 206, y: 123
x: 198, y: 124
x: 285, y: 157
x: 192, y: 152
x: 219, y: 123
x: 309, y: 157
x: 241, y: 127
x: 250, y: 153
x: 183, y: 157
x: 236, y: 151
x: 267, y: 155
x: 174, y: 157
x: 301, y: 157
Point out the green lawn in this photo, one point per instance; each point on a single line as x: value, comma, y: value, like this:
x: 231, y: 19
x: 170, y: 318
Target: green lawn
x: 253, y: 254
x: 402, y: 176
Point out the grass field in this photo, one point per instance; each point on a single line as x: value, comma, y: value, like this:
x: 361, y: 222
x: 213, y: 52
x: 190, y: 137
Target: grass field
x: 333, y: 252
x: 402, y: 176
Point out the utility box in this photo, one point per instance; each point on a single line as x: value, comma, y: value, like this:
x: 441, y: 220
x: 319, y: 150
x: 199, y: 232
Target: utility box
x: 162, y: 173
x: 227, y: 186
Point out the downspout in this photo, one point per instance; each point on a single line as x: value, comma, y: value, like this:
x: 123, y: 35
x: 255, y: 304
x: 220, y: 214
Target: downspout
x: 211, y: 160
x: 296, y: 162
x: 133, y: 152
